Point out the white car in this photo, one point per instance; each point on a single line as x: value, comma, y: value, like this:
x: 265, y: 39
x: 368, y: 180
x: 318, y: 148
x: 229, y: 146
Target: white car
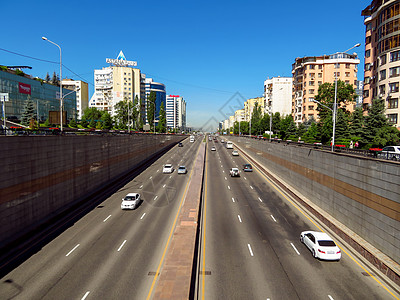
x: 391, y: 152
x: 131, y: 201
x: 182, y: 170
x: 235, y: 153
x: 234, y: 172
x: 168, y: 169
x: 213, y: 149
x: 321, y: 245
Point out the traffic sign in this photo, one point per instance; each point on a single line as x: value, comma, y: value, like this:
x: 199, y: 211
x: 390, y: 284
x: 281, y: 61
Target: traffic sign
x: 3, y: 96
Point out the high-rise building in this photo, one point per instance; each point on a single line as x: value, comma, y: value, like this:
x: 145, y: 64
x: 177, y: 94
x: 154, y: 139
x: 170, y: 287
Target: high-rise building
x: 382, y: 56
x: 82, y: 94
x: 278, y: 95
x: 120, y: 81
x: 176, y: 112
x: 159, y: 89
x: 312, y: 71
x: 249, y: 107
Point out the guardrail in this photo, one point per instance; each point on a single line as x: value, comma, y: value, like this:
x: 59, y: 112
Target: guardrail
x: 373, y: 153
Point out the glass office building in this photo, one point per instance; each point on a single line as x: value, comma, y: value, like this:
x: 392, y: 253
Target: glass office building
x: 159, y: 89
x: 45, y: 97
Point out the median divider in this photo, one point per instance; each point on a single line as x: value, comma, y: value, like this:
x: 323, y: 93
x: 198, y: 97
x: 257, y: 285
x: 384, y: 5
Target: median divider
x: 174, y: 281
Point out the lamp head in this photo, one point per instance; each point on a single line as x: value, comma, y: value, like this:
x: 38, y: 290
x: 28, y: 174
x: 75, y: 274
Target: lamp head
x: 357, y: 45
x: 44, y: 38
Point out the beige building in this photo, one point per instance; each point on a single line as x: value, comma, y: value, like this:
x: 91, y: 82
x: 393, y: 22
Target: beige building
x: 239, y: 115
x: 382, y: 56
x: 117, y: 82
x: 249, y: 107
x: 310, y: 72
x: 82, y: 94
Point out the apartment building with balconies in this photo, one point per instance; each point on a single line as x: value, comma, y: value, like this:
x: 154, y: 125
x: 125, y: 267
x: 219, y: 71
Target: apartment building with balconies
x: 312, y: 71
x: 249, y: 107
x: 382, y: 56
x: 278, y: 95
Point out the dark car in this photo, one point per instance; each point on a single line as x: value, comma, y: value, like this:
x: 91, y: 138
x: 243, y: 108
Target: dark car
x: 247, y: 168
x: 180, y: 145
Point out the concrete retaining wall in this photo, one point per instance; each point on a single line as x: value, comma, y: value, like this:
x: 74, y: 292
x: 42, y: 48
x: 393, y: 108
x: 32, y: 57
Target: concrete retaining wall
x: 42, y: 176
x: 361, y: 193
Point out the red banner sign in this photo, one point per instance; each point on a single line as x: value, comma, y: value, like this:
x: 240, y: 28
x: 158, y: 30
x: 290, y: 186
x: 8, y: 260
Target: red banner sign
x: 24, y: 88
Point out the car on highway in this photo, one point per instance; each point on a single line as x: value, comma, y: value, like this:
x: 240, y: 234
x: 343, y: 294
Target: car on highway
x: 321, y: 245
x: 247, y: 168
x: 168, y: 169
x: 222, y: 141
x: 180, y: 145
x: 234, y: 172
x: 182, y: 170
x: 213, y: 149
x: 235, y: 153
x: 130, y: 201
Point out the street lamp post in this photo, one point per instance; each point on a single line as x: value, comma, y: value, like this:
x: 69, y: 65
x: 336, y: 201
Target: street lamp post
x: 61, y: 98
x: 335, y: 101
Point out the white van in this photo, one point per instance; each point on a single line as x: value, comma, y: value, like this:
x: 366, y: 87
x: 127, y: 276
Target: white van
x: 192, y: 139
x: 229, y: 145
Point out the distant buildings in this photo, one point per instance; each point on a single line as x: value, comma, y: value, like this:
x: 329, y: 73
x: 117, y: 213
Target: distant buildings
x: 312, y: 71
x: 82, y: 94
x: 278, y: 95
x: 159, y: 89
x: 382, y: 56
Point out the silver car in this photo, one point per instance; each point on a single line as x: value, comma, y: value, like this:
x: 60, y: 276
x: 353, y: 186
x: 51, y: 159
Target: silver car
x: 182, y: 170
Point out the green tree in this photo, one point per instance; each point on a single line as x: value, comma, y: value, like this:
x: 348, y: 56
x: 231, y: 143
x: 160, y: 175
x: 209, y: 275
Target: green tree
x: 377, y: 131
x: 356, y: 123
x: 99, y: 125
x: 72, y: 123
x: 136, y: 113
x: 151, y: 108
x: 256, y: 120
x: 92, y: 124
x: 312, y: 133
x: 55, y: 80
x: 47, y: 123
x: 29, y: 112
x: 162, y: 119
x: 301, y: 129
x: 47, y: 79
x: 106, y: 120
x: 91, y: 113
x: 287, y: 128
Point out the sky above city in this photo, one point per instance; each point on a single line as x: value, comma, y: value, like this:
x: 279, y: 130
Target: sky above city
x: 216, y: 54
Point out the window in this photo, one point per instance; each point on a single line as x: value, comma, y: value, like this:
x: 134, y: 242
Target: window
x: 319, y: 67
x: 336, y: 74
x: 311, y: 67
x: 319, y: 83
x: 311, y: 91
x: 394, y: 72
x: 394, y: 87
x: 347, y: 66
x: 337, y: 66
x: 368, y: 40
x: 393, y: 103
x: 367, y: 67
x: 310, y: 107
x: 368, y: 53
x: 347, y: 81
x: 347, y: 74
x: 395, y: 56
x: 366, y: 93
x: 368, y: 27
x: 319, y: 75
x: 382, y: 89
x: 383, y: 59
x: 382, y: 75
x: 311, y: 83
x: 392, y: 118
x: 367, y: 80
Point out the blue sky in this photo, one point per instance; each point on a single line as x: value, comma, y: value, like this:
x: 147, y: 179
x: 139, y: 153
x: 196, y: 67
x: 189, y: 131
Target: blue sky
x: 213, y: 53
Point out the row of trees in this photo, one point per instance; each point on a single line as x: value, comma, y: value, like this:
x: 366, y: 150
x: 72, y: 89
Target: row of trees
x: 371, y: 129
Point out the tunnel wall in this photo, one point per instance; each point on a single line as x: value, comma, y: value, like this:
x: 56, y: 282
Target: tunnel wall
x: 42, y: 176
x: 362, y: 193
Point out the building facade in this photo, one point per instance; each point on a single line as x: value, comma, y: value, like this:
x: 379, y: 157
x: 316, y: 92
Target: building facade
x: 176, y: 112
x: 278, y: 95
x: 159, y: 89
x: 82, y: 94
x: 382, y: 56
x: 45, y: 96
x: 120, y: 81
x: 310, y: 72
x: 249, y: 107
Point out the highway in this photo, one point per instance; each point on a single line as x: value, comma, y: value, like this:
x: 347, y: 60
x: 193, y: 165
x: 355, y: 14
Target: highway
x: 251, y: 247
x: 109, y: 253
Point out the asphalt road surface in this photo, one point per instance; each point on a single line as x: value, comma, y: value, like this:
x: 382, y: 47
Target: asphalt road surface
x: 251, y: 247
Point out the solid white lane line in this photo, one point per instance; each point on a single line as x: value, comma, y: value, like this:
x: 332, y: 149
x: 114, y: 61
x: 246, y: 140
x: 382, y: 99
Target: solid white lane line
x: 72, y: 250
x: 330, y: 297
x: 106, y: 218
x: 233, y: 200
x: 240, y: 219
x: 120, y: 247
x: 259, y: 199
x: 143, y: 216
x: 155, y: 197
x: 84, y: 296
x: 273, y: 218
x: 251, y: 252
x: 229, y: 187
x: 295, y: 249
